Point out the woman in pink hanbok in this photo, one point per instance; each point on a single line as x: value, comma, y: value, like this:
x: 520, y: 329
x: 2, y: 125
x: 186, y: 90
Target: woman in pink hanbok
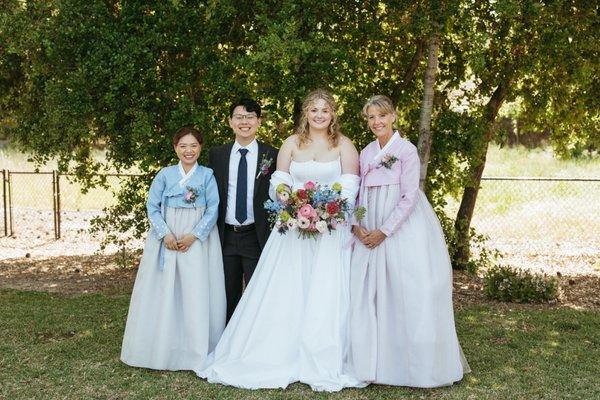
x: 402, y: 322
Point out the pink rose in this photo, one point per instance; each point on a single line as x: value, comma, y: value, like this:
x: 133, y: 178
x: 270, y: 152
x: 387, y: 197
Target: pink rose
x: 307, y: 211
x: 187, y: 196
x: 310, y: 185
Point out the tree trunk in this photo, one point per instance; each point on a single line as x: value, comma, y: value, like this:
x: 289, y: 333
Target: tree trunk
x: 410, y: 71
x: 297, y: 112
x: 427, y: 105
x: 464, y: 216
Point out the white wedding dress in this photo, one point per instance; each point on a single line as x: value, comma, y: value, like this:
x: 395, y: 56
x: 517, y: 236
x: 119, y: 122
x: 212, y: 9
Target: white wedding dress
x: 291, y: 322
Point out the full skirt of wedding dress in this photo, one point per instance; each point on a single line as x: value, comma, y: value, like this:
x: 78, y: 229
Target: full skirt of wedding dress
x: 291, y: 322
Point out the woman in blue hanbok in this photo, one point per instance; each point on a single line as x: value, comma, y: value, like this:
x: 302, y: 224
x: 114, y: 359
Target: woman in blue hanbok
x: 177, y: 310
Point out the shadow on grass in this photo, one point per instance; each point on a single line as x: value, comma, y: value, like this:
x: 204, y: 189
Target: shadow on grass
x: 68, y: 347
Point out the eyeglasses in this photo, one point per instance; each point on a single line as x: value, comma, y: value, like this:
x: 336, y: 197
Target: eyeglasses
x: 241, y: 117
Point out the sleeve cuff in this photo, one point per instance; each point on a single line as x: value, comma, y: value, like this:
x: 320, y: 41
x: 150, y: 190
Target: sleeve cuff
x: 386, y: 231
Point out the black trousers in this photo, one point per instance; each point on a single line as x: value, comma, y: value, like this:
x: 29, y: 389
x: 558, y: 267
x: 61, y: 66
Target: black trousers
x: 241, y: 252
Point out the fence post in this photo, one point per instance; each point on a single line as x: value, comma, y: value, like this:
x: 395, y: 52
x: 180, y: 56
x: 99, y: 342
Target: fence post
x: 4, y: 202
x: 58, y: 210
x: 56, y: 203
x: 10, y: 213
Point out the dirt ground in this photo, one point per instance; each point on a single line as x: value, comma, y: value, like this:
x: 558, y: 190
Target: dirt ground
x: 113, y: 274
x: 32, y: 259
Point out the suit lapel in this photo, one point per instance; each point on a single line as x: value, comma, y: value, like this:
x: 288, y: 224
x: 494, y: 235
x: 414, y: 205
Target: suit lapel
x: 225, y: 165
x: 257, y: 181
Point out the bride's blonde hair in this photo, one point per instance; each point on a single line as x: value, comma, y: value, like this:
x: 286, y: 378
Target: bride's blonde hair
x: 333, y: 131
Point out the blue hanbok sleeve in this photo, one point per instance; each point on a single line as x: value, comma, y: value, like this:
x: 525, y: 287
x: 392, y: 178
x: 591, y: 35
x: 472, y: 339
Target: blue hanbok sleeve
x: 209, y: 219
x: 154, y: 205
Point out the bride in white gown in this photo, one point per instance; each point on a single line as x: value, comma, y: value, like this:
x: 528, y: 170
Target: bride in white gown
x: 291, y: 322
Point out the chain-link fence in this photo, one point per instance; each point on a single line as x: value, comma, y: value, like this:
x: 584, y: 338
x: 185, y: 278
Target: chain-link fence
x: 535, y: 221
x: 544, y: 223
x: 45, y: 205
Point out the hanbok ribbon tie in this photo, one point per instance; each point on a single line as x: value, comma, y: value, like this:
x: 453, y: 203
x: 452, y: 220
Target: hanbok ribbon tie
x: 185, y: 177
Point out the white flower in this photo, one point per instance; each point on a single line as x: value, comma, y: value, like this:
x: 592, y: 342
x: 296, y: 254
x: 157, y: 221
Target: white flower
x: 292, y: 224
x: 303, y: 223
x: 321, y: 226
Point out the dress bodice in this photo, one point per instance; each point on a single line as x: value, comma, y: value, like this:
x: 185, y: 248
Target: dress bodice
x: 325, y: 173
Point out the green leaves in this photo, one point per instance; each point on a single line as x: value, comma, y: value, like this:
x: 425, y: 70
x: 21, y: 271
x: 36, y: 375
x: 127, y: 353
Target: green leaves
x: 75, y: 74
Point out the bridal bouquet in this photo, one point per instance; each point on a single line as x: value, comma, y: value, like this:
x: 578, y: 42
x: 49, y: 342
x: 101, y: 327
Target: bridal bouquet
x: 310, y: 210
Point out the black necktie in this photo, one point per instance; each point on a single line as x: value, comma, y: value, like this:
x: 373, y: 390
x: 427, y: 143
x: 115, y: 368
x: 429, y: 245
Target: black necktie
x: 242, y: 188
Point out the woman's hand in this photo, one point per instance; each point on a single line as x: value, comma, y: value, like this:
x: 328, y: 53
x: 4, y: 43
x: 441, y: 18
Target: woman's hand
x: 170, y: 241
x: 186, y: 242
x: 374, y: 238
x: 359, y: 232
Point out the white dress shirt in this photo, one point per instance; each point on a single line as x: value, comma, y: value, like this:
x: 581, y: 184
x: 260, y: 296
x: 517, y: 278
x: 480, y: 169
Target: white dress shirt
x: 234, y: 162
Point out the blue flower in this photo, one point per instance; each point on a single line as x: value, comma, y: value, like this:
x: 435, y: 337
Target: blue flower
x: 273, y: 206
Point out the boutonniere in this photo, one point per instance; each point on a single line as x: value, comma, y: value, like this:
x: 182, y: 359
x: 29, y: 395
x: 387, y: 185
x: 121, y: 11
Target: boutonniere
x: 264, y: 166
x: 387, y: 161
x: 190, y: 195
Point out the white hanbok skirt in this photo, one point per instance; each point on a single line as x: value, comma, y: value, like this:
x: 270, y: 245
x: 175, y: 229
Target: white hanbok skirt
x: 402, y: 319
x: 177, y: 315
x: 291, y: 323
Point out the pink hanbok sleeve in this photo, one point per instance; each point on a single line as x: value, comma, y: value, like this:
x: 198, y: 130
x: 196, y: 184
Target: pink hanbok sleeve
x: 409, y: 189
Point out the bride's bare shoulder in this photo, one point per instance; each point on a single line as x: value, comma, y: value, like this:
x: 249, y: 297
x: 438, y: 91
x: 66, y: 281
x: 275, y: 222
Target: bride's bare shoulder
x: 291, y: 142
x: 288, y: 147
x: 346, y: 145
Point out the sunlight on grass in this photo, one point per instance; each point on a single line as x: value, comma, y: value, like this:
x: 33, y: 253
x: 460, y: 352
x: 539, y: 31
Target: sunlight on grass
x: 71, y: 350
x: 520, y: 161
x: 536, y: 222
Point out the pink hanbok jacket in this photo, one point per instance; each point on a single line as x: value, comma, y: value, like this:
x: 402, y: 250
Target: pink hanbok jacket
x: 405, y: 172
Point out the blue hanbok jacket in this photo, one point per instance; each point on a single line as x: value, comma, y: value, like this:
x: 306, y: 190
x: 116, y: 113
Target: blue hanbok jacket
x: 166, y: 191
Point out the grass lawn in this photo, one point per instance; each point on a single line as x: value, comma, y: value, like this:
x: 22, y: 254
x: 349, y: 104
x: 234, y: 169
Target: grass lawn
x: 55, y: 346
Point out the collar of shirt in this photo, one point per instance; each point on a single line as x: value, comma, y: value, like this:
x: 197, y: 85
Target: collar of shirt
x: 185, y: 177
x: 381, y: 152
x: 252, y: 147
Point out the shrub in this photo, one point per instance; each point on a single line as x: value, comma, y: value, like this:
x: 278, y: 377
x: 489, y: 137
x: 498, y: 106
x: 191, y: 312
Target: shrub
x: 506, y: 283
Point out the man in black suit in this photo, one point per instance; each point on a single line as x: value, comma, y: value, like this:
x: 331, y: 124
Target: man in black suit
x: 242, y: 169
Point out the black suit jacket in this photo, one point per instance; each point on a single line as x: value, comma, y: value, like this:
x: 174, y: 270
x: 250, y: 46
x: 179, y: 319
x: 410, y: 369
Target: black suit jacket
x: 218, y: 160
